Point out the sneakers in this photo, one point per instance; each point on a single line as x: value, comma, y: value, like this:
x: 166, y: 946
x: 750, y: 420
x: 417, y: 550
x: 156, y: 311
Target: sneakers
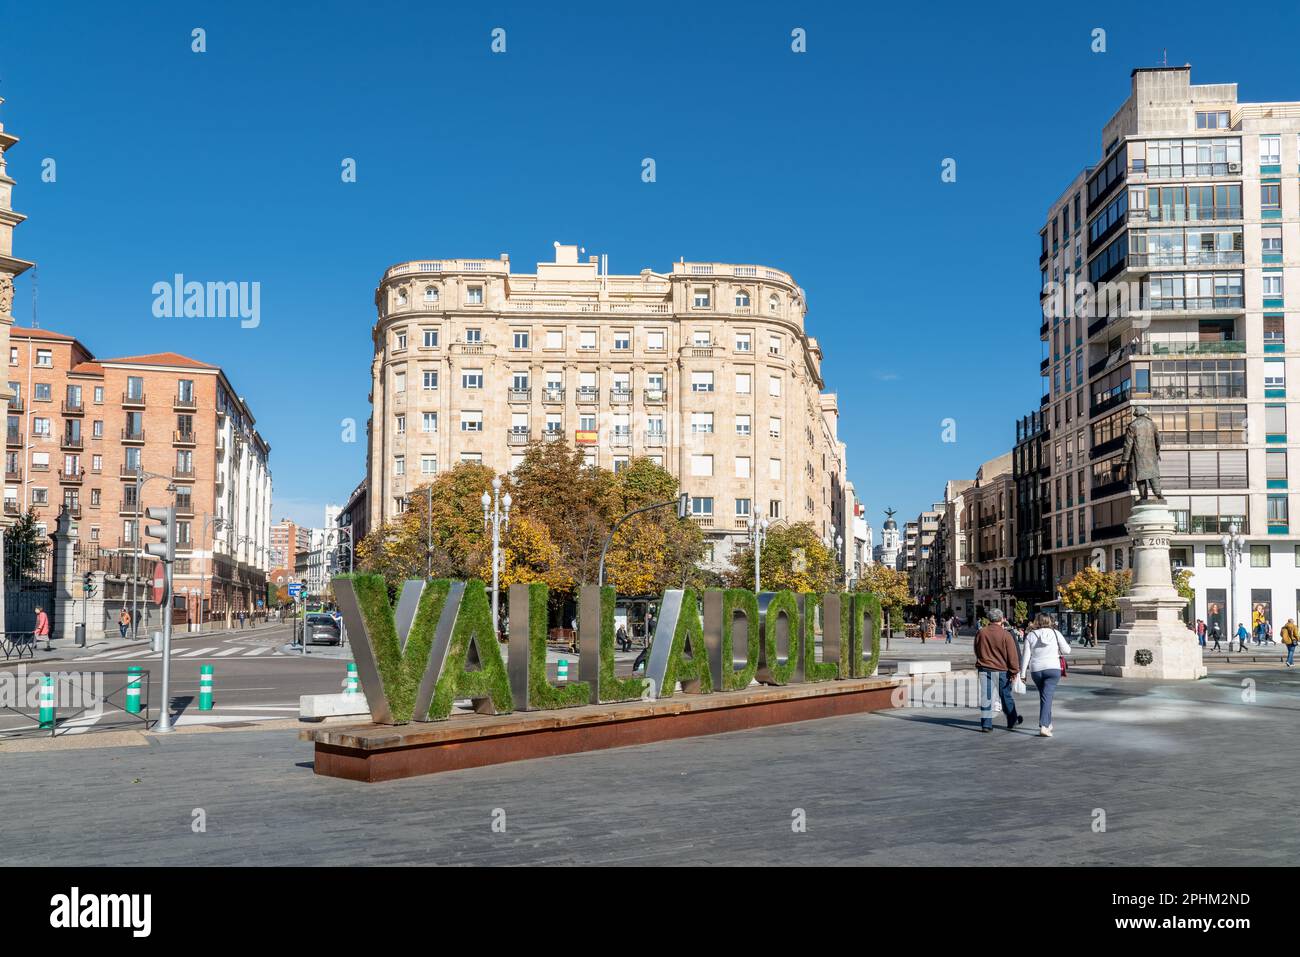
x: 1044, y: 731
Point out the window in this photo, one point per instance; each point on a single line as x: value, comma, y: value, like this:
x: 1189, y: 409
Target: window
x: 701, y: 300
x: 474, y: 295
x: 554, y: 339
x: 399, y: 342
x: 521, y: 339
x: 774, y: 428
x: 13, y: 355
x: 41, y: 392
x: 742, y: 342
x: 701, y: 381
x: 1259, y: 556
x: 476, y: 457
x: 587, y: 423
x: 1275, y: 467
x: 654, y: 381
x: 1270, y: 150
x: 429, y: 422
x: 399, y: 382
x: 622, y: 340
x: 774, y: 385
x: 401, y: 297
x: 99, y: 395
x: 742, y: 466
x: 742, y: 299
x: 430, y: 338
x: 655, y: 425
x: 401, y: 424
x: 774, y: 345
x: 620, y: 463
x: 1274, y: 374
x: 97, y: 463
x: 774, y: 468
x: 471, y: 421
x: 1275, y: 421
x: 430, y: 380
x: 742, y: 383
x: 773, y: 303
x: 1272, y: 284
x: 41, y: 426
x: 44, y: 358
x: 471, y: 379
x: 1270, y: 196
x: 399, y: 465
x: 774, y: 509
x: 702, y: 505
x: 554, y: 423
x: 587, y: 339
x: 519, y: 382
x: 654, y: 340
x: 430, y: 294
x: 702, y: 466
x: 1277, y: 512
x: 742, y: 508
x: 701, y: 338
x: 1212, y: 121
x: 702, y: 423
x: 473, y: 336
x: 742, y: 425
x: 428, y: 464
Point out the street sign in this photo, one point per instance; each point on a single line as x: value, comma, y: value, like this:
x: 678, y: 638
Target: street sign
x: 295, y: 589
x: 159, y: 583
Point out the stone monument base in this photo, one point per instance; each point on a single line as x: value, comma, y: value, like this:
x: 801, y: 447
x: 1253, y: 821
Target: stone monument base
x: 1152, y: 641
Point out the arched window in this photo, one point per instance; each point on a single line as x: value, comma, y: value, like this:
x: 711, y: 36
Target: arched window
x: 742, y: 298
x: 430, y: 294
x: 401, y: 297
x: 774, y: 303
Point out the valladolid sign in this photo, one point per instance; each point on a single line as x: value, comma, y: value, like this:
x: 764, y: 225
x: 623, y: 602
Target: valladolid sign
x: 437, y: 646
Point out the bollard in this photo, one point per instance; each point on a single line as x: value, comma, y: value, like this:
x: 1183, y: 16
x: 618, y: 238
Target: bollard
x: 352, y: 677
x: 133, y: 689
x: 205, y: 687
x: 562, y: 671
x: 47, y: 702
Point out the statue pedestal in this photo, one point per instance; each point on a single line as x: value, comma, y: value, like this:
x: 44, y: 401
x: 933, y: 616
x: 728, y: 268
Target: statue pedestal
x: 1150, y: 612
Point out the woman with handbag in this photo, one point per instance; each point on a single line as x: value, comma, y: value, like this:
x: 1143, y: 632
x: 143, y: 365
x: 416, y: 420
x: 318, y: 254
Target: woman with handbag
x: 1044, y: 660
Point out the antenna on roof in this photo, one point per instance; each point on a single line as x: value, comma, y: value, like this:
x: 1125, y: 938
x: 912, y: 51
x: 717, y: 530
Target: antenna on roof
x: 36, y: 285
x: 1164, y: 59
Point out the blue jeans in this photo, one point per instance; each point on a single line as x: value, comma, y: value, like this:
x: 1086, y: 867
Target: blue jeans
x: 1290, y: 653
x: 987, y: 679
x: 1046, y: 681
x: 1201, y: 639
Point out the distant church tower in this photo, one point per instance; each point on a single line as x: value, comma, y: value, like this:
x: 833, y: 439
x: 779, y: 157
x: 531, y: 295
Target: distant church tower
x: 888, y: 550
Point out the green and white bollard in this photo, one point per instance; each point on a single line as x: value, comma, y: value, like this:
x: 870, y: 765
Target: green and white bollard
x: 205, y: 687
x: 47, y: 702
x: 352, y: 677
x: 562, y: 671
x: 133, y: 675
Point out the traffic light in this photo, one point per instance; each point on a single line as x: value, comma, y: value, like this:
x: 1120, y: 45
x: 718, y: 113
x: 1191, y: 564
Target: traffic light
x: 87, y: 584
x: 683, y: 505
x: 165, y: 547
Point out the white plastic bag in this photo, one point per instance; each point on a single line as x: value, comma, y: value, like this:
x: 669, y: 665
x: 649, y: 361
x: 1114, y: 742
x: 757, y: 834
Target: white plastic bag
x: 1018, y: 686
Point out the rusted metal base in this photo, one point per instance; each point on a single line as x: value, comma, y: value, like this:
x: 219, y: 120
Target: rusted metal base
x: 383, y: 752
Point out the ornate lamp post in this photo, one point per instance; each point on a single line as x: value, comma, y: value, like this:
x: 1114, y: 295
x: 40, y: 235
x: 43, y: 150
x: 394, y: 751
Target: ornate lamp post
x: 757, y: 533
x: 1234, y: 545
x: 494, y: 518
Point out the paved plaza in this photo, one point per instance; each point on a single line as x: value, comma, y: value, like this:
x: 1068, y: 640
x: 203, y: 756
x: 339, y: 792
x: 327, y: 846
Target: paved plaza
x: 1195, y: 773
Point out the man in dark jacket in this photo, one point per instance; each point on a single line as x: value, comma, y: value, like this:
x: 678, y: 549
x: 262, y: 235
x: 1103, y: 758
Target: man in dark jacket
x: 996, y: 662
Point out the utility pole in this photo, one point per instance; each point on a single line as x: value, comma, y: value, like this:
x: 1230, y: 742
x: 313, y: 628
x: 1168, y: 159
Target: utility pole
x: 758, y: 533
x: 165, y: 551
x: 497, y: 521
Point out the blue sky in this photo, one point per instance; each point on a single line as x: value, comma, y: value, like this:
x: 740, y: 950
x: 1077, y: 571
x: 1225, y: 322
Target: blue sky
x: 225, y: 166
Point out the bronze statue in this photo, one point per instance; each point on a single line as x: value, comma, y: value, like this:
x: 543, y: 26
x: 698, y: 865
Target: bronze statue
x: 1142, y: 454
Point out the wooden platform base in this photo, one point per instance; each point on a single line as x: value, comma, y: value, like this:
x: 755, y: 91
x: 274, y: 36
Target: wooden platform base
x: 374, y: 752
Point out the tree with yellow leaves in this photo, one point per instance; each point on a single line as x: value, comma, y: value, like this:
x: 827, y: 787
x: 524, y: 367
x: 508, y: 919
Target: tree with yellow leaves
x: 891, y: 587
x: 1092, y: 591
x: 529, y: 556
x: 793, y: 557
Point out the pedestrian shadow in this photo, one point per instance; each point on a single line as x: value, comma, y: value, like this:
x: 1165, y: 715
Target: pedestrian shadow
x: 929, y: 717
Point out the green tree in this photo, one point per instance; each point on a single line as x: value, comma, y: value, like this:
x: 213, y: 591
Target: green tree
x: 891, y: 587
x: 1020, y: 612
x: 793, y: 557
x: 1092, y: 591
x: 655, y: 550
x: 555, y: 486
x: 26, y: 547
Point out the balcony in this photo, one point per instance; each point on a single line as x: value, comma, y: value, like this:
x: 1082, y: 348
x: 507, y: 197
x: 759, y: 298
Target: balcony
x: 184, y: 437
x: 703, y: 521
x: 1100, y: 532
x: 1194, y: 392
x: 588, y: 394
x: 72, y: 442
x: 129, y: 435
x: 185, y: 506
x: 698, y: 352
x: 185, y: 405
x: 517, y: 436
x: 16, y: 404
x: 654, y: 439
x: 553, y: 395
x: 1105, y: 405
x: 553, y: 435
x: 1043, y: 329
x: 1192, y: 257
x: 127, y: 471
x: 654, y: 396
x: 1216, y: 347
x: 13, y: 437
x: 13, y: 475
x: 621, y: 440
x: 1197, y: 304
x: 620, y: 396
x: 519, y: 395
x: 183, y: 472
x: 1107, y: 489
x: 73, y: 408
x: 1179, y: 215
x: 72, y: 478
x: 133, y: 401
x: 130, y: 542
x: 1186, y: 171
x: 11, y: 507
x: 1044, y: 366
x: 74, y: 510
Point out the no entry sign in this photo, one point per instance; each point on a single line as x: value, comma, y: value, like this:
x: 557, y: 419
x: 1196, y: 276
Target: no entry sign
x: 159, y: 583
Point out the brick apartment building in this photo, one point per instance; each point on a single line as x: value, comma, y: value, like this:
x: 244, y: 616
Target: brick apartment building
x: 109, y: 438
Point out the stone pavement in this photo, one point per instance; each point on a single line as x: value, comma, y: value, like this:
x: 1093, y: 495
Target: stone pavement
x: 1188, y: 774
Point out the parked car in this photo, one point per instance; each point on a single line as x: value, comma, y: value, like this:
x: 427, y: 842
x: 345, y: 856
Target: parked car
x: 323, y: 629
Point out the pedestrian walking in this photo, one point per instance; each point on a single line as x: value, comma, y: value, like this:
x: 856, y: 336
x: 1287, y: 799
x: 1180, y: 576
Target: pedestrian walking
x: 1043, y: 660
x: 1216, y: 633
x: 1268, y: 632
x: 1260, y: 626
x: 1200, y: 631
x: 949, y: 627
x: 1243, y: 636
x: 997, y: 663
x: 42, y: 629
x: 1290, y: 638
x: 124, y: 622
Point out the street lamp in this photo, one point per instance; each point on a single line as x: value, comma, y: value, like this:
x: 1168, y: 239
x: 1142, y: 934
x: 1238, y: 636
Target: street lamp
x: 757, y: 533
x: 1234, y: 545
x: 494, y: 518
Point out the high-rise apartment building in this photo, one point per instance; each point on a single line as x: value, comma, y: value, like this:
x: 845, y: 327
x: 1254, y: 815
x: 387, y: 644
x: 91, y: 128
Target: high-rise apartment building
x: 9, y: 266
x: 1189, y: 225
x: 707, y: 370
x: 108, y: 438
x: 287, y: 540
x: 990, y: 504
x: 1030, y: 470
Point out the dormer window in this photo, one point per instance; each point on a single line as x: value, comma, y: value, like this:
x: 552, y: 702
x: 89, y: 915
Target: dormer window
x: 774, y: 303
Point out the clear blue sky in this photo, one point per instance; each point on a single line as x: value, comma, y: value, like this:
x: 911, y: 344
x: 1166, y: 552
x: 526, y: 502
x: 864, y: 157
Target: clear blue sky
x: 225, y: 166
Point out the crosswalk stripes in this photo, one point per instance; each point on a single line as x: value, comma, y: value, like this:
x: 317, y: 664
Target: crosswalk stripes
x: 197, y: 652
x: 234, y: 649
x: 144, y: 654
x: 255, y: 651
